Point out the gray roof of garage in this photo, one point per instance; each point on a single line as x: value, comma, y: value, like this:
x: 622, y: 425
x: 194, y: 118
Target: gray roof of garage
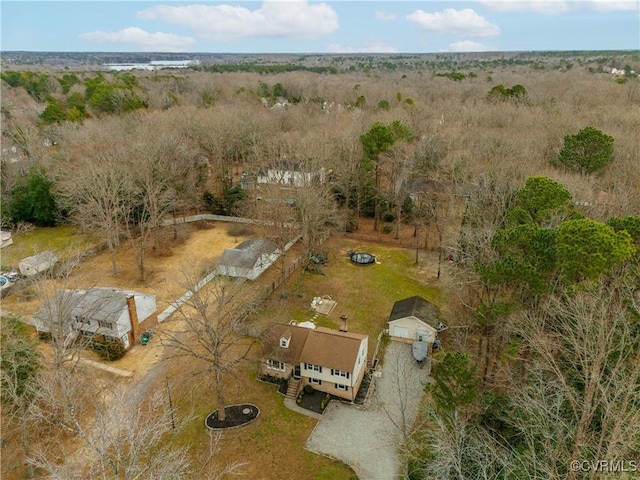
x: 418, y: 307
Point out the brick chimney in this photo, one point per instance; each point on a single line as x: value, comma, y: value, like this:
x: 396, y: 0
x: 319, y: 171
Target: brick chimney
x: 133, y: 315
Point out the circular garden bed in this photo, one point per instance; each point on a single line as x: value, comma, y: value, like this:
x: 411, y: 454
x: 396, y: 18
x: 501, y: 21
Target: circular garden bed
x: 235, y: 416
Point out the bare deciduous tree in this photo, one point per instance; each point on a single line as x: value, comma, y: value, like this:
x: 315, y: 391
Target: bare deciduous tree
x: 127, y: 439
x: 274, y: 212
x: 97, y: 195
x: 317, y: 217
x: 207, y: 329
x: 19, y: 364
x: 579, y: 397
x: 459, y: 449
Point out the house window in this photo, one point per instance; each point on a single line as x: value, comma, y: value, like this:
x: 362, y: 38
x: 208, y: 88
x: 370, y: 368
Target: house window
x: 103, y: 324
x: 314, y: 368
x: 315, y: 381
x: 275, y: 365
x: 284, y: 342
x: 340, y: 373
x: 344, y: 388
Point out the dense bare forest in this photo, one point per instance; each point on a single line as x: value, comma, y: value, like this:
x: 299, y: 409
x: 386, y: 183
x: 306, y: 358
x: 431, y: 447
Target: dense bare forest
x: 523, y: 175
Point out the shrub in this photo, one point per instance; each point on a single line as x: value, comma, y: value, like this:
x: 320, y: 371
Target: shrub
x: 387, y: 228
x: 53, y: 113
x: 501, y: 93
x: 585, y: 152
x: 351, y: 226
x: 110, y: 351
x: 308, y: 389
x: 389, y: 216
x: 32, y: 200
x: 416, y: 468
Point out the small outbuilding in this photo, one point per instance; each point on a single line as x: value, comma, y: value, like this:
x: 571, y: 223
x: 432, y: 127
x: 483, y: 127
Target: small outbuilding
x: 414, y: 319
x: 248, y: 259
x: 41, y: 262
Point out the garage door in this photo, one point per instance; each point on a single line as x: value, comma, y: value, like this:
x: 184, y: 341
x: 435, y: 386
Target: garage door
x: 402, y: 332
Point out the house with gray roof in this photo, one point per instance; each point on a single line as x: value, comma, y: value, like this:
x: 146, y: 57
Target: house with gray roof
x: 38, y: 263
x: 103, y: 314
x: 248, y: 259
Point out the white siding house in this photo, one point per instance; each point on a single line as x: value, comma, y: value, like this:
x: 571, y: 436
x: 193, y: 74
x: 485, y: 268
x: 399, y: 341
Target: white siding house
x: 291, y: 174
x: 106, y: 314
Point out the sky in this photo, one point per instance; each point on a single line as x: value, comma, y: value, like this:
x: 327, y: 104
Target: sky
x: 333, y: 26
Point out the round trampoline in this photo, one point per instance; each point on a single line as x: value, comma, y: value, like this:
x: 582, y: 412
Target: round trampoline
x: 362, y: 258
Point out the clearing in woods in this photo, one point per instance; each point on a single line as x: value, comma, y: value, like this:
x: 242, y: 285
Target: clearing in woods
x: 277, y: 440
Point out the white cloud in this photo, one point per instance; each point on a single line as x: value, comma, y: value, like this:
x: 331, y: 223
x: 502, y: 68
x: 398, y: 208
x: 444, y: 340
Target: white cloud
x: 545, y: 7
x: 384, y: 16
x: 556, y: 7
x: 457, y: 22
x: 612, y: 5
x: 142, y: 40
x: 285, y: 19
x: 469, y: 46
x: 371, y: 46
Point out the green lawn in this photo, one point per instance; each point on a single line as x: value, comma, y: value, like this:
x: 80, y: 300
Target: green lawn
x: 274, y: 444
x: 365, y: 294
x: 63, y: 241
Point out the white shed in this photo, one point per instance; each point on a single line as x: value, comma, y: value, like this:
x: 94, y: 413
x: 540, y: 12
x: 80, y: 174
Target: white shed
x: 414, y: 318
x: 38, y: 263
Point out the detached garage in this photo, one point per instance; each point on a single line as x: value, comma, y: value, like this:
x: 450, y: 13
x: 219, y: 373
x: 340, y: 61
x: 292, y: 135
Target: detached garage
x: 414, y: 319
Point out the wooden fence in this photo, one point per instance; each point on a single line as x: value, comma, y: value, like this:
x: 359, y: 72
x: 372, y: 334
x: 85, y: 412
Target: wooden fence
x: 252, y: 304
x: 382, y: 239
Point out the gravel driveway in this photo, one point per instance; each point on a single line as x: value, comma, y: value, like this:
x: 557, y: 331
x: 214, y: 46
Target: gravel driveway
x: 368, y: 439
